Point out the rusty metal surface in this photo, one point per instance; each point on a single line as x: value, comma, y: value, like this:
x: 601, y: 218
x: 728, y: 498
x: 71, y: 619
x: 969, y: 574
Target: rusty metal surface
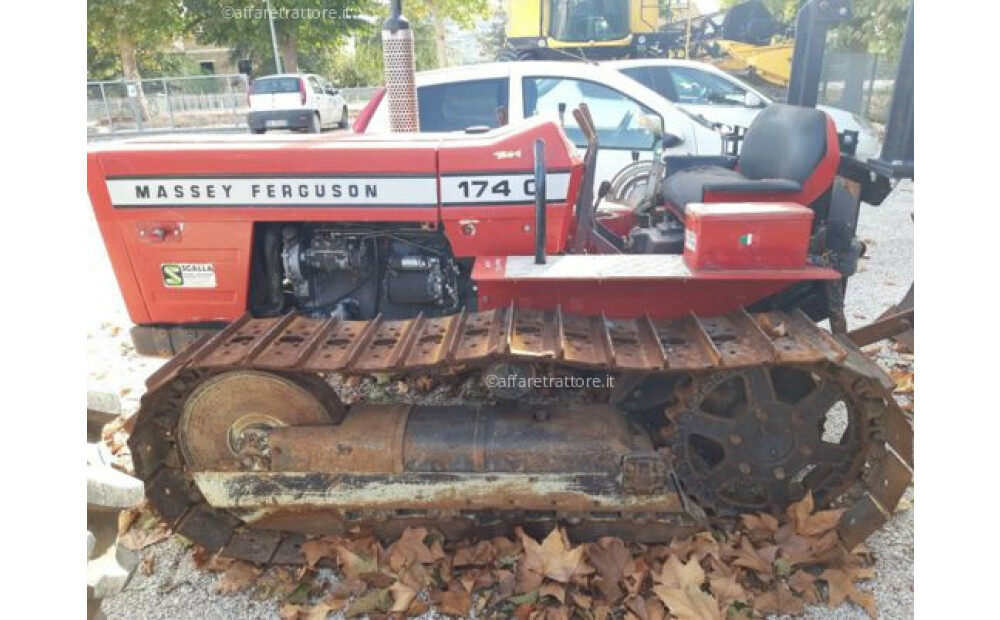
x: 887, y: 326
x: 256, y: 495
x: 736, y: 340
x: 379, y: 477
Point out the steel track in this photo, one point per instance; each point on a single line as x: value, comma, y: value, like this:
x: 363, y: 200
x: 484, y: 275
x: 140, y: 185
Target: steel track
x: 307, y: 349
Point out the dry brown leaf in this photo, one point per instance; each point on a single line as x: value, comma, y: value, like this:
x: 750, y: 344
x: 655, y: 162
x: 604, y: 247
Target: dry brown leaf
x: 454, y: 602
x: 727, y: 589
x: 637, y: 605
x: 635, y: 575
x: 581, y: 600
x: 291, y: 611
x: 779, y: 600
x: 610, y: 557
x: 417, y: 608
x: 148, y: 564
x: 655, y: 609
x: 402, y: 596
x: 557, y: 613
x: 675, y: 574
x: 688, y: 604
x: 479, y: 555
x: 819, y: 523
x: 138, y: 539
x: 554, y: 558
x: 555, y: 590
x: 799, y: 511
x: 410, y: 548
x: 126, y: 518
x: 370, y: 603
x: 238, y: 577
x: 903, y: 378
x: 319, y: 548
x: 321, y: 610
x: 354, y: 565
x: 748, y: 557
x: 762, y: 521
x: 425, y: 383
x: 840, y: 586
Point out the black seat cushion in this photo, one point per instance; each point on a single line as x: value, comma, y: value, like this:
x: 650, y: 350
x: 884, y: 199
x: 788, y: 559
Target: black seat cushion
x: 688, y: 185
x: 784, y: 142
x: 781, y: 149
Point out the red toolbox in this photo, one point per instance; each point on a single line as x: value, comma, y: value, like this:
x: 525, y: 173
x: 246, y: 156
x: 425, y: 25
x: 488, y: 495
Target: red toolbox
x: 747, y: 235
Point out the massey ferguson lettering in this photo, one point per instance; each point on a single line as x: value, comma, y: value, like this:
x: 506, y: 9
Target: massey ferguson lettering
x: 256, y: 192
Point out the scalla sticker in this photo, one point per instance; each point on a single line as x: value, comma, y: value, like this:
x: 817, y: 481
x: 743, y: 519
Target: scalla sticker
x: 188, y: 275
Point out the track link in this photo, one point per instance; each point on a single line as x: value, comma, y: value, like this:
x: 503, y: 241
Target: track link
x: 309, y: 351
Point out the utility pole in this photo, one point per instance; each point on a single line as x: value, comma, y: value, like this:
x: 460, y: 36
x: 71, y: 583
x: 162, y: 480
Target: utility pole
x: 274, y: 39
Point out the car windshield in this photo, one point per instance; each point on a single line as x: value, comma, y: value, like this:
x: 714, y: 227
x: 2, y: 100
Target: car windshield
x: 266, y: 86
x: 589, y: 20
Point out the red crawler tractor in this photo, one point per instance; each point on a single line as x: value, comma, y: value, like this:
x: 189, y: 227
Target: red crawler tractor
x: 684, y: 302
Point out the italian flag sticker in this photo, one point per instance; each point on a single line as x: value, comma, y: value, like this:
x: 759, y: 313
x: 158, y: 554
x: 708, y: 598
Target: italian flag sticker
x: 746, y: 240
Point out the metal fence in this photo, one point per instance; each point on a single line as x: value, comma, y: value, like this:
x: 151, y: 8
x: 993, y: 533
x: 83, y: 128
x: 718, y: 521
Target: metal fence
x: 176, y: 104
x: 167, y: 104
x: 859, y: 82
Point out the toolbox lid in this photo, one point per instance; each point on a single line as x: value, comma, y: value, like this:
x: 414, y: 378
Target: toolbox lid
x: 749, y: 210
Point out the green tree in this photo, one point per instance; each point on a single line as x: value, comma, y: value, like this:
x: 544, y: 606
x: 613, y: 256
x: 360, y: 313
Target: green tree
x: 493, y: 40
x: 464, y: 13
x: 363, y: 65
x: 302, y: 27
x: 130, y: 30
x: 876, y: 26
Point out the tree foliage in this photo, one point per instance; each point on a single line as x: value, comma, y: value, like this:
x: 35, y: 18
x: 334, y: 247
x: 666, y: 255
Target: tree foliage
x: 128, y: 36
x: 302, y: 27
x: 877, y: 26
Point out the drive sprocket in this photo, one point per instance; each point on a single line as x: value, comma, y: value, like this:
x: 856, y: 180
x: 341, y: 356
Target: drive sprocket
x: 758, y: 439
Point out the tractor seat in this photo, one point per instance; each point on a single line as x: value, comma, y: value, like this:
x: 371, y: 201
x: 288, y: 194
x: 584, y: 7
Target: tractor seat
x: 790, y: 154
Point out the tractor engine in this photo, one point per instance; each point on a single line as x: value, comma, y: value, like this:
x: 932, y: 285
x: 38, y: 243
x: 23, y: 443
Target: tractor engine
x: 353, y: 273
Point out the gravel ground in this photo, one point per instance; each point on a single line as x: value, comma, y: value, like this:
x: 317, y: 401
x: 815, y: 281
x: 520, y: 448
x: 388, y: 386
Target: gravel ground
x: 175, y: 589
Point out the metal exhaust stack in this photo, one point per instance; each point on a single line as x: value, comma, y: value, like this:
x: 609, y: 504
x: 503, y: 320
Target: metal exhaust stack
x: 400, y: 70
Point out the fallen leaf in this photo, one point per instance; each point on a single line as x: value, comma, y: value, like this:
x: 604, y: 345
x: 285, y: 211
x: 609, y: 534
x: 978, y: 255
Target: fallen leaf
x: 840, y: 586
x: 688, y: 604
x: 402, y: 596
x: 779, y: 600
x: 479, y: 555
x: 747, y: 557
x: 354, y: 565
x: 454, y: 602
x: 411, y: 548
x: 238, y: 577
x: 319, y: 548
x: 609, y: 556
x: 727, y: 589
x: 675, y: 574
x: 554, y: 590
x: 372, y: 602
x: 148, y: 563
x: 554, y: 557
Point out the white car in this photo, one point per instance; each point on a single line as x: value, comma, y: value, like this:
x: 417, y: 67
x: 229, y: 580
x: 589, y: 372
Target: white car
x: 708, y: 91
x: 494, y: 94
x: 295, y: 101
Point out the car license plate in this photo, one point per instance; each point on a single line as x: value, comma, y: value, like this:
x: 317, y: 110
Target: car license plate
x: 277, y: 123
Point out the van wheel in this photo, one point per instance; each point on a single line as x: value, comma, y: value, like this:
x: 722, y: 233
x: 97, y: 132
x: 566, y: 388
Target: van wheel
x: 343, y: 119
x: 314, y: 123
x: 257, y: 131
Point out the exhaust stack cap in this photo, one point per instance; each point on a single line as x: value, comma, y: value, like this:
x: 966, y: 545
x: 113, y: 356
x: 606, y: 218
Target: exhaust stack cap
x: 400, y: 71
